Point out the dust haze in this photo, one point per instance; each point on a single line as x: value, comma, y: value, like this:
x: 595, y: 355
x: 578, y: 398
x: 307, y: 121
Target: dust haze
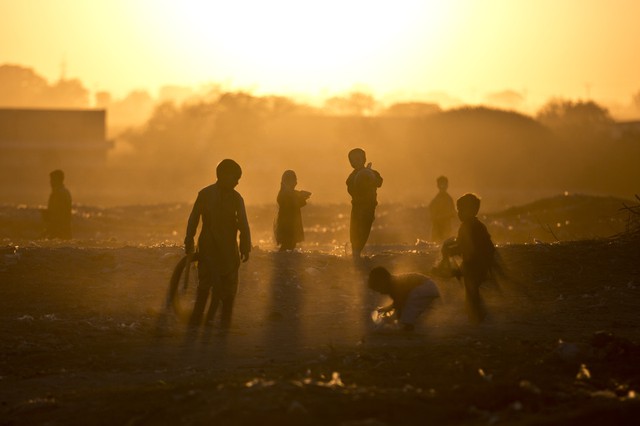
x: 165, y: 149
x: 85, y: 329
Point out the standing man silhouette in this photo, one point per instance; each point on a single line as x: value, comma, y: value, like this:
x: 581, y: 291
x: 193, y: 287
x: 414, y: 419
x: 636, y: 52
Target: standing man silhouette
x: 442, y: 211
x: 223, y: 215
x: 362, y: 185
x: 57, y: 217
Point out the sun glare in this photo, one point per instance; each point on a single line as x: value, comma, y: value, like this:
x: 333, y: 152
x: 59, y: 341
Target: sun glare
x: 286, y: 45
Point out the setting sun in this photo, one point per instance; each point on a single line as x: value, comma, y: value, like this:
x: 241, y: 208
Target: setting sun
x: 466, y: 50
x: 291, y: 46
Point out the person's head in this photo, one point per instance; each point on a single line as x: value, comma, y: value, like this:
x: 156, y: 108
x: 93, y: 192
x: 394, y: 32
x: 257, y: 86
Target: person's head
x: 289, y: 179
x: 228, y: 173
x: 380, y: 280
x: 443, y: 183
x: 56, y: 177
x: 357, y: 158
x: 468, y: 206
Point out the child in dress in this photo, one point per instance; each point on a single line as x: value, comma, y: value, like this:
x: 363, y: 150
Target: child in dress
x: 288, y: 226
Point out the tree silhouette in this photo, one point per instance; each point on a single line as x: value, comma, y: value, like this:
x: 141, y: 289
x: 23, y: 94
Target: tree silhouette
x: 103, y: 99
x: 21, y: 86
x: 355, y: 103
x: 584, y: 120
x: 505, y: 99
x: 67, y: 94
x: 411, y: 109
x: 133, y: 109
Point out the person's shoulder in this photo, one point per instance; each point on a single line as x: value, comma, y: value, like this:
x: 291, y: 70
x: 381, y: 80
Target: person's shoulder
x: 474, y: 228
x: 237, y: 196
x: 444, y: 195
x: 477, y: 223
x: 411, y: 278
x: 208, y: 189
x: 480, y: 231
x: 466, y: 225
x: 414, y: 275
x: 207, y: 192
x: 366, y: 174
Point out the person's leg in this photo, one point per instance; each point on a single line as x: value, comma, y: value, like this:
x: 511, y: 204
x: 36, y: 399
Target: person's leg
x: 202, y: 296
x: 473, y: 301
x: 228, y: 295
x: 354, y: 232
x: 288, y: 244
x: 368, y: 215
x: 361, y: 221
x: 206, y: 279
x: 213, y: 308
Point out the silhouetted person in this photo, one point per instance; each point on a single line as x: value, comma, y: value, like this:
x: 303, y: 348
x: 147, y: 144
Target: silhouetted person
x: 478, y: 254
x: 57, y: 216
x: 362, y: 185
x: 289, y: 230
x: 223, y: 216
x: 411, y: 294
x: 442, y: 212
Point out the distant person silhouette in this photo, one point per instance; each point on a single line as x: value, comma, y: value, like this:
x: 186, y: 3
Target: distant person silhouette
x: 57, y: 216
x: 411, y: 294
x: 223, y: 216
x: 288, y: 229
x: 442, y: 211
x: 474, y: 244
x: 362, y: 185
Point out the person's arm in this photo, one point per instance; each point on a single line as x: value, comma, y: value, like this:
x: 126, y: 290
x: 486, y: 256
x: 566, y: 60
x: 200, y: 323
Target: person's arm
x: 451, y: 208
x: 67, y: 202
x: 192, y: 226
x: 450, y: 247
x: 245, y: 233
x: 302, y: 197
x: 384, y: 309
x: 350, y: 185
x: 377, y: 179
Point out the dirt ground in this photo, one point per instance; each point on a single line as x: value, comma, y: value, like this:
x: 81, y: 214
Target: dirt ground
x: 86, y: 339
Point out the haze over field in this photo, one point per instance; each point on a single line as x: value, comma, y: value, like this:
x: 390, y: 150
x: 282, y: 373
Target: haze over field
x: 514, y: 100
x: 512, y: 54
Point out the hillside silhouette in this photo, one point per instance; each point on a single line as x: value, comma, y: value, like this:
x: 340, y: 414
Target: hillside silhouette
x: 170, y: 148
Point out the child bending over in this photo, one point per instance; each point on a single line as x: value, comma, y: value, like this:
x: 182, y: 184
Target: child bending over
x: 411, y: 295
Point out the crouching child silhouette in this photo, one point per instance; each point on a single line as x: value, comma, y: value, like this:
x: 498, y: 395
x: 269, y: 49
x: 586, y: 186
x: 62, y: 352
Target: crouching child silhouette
x: 223, y: 216
x: 474, y: 245
x: 411, y: 294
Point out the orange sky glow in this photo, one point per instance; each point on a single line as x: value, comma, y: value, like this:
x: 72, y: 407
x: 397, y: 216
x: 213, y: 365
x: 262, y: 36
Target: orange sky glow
x: 400, y: 50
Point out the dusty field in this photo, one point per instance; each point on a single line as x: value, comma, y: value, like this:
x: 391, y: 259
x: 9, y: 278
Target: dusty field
x: 86, y: 340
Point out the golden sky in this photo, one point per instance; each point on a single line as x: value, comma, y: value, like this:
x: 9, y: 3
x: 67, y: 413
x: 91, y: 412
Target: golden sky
x: 400, y: 49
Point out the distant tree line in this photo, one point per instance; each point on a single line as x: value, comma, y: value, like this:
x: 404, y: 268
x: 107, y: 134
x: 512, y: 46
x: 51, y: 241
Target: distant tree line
x: 172, y: 143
